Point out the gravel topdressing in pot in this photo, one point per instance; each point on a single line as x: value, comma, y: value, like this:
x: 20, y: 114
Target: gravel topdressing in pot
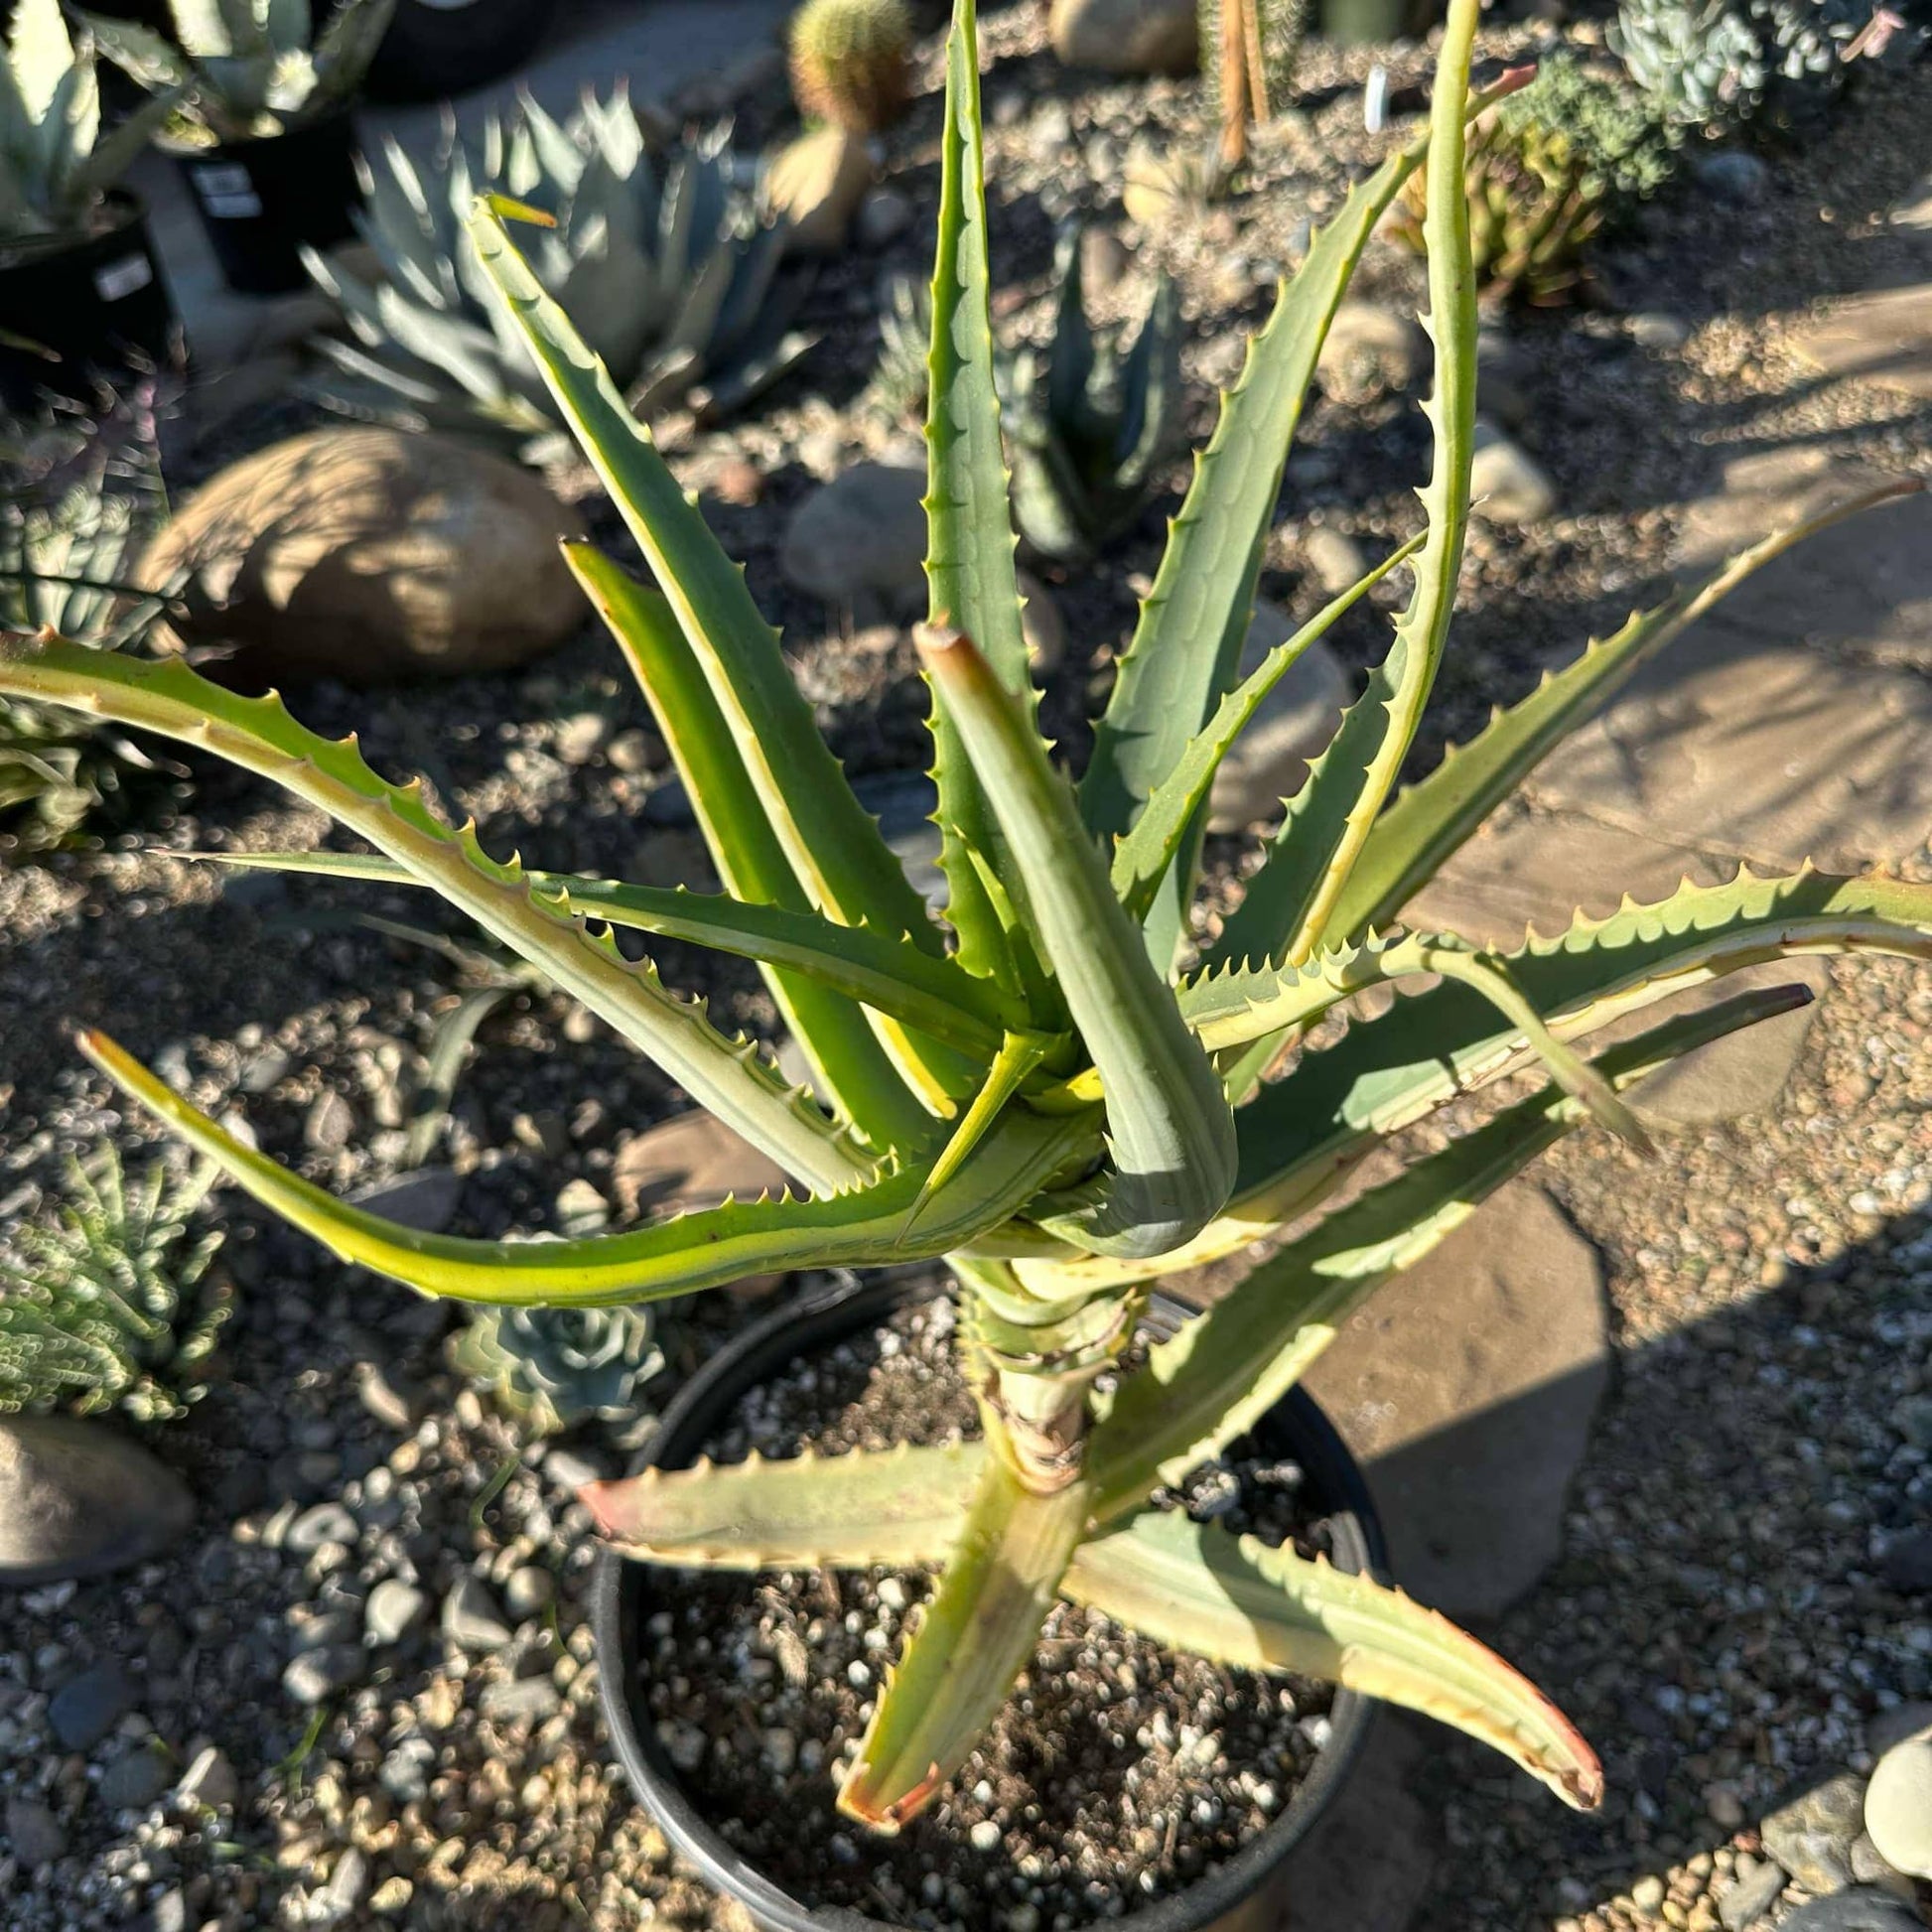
x: 1119, y: 1774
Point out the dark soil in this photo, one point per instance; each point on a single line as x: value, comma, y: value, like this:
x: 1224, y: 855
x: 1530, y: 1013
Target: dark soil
x: 1120, y: 1771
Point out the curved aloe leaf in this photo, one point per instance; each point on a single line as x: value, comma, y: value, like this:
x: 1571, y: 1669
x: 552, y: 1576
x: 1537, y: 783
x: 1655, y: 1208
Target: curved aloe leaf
x: 1427, y: 823
x: 258, y: 735
x: 975, y: 1637
x: 702, y: 1249
x: 1214, y: 1379
x: 869, y: 1070
x: 1143, y: 858
x: 889, y: 973
x: 899, y: 1506
x: 1188, y: 642
x: 835, y: 848
x: 1171, y: 1135
x: 1290, y: 901
x: 969, y: 520
x: 1244, y: 1602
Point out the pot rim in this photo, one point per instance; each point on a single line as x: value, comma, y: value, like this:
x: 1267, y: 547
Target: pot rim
x: 815, y: 1319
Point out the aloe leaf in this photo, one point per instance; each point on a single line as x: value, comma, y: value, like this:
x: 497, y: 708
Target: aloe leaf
x: 455, y: 1034
x: 878, y: 1081
x: 899, y: 1507
x: 1187, y: 644
x: 1143, y: 858
x: 1017, y: 1056
x: 258, y: 735
x: 1427, y: 823
x: 975, y: 1637
x: 1214, y: 1379
x: 969, y: 521
x: 835, y: 849
x: 702, y: 1249
x: 1243, y: 1602
x: 1288, y: 903
x: 1171, y: 1135
x: 891, y: 974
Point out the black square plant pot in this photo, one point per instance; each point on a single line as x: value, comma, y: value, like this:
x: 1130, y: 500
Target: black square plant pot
x: 624, y: 1595
x: 262, y: 202
x: 75, y: 308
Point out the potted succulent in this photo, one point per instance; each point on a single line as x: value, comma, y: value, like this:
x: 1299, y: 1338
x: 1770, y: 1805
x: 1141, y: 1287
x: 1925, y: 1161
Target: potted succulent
x: 80, y: 288
x: 259, y: 122
x: 1040, y: 1094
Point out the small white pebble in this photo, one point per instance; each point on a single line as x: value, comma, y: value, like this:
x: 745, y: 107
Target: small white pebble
x: 857, y: 1674
x: 985, y: 1836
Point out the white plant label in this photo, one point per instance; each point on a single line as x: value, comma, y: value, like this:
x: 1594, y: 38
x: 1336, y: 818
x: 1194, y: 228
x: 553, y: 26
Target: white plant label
x: 116, y: 280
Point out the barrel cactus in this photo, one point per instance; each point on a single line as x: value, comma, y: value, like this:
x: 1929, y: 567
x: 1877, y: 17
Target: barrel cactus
x: 1040, y: 1088
x: 660, y: 249
x: 851, y: 62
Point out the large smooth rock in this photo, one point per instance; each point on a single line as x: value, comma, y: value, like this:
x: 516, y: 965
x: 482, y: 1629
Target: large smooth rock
x: 1369, y: 349
x: 1898, y: 1806
x: 859, y: 541
x: 1882, y: 337
x: 1127, y: 36
x: 1507, y: 484
x: 1467, y: 1387
x: 1812, y: 1834
x: 1295, y: 722
x: 691, y: 1161
x: 79, y: 1499
x: 370, y: 555
x: 1862, y: 1910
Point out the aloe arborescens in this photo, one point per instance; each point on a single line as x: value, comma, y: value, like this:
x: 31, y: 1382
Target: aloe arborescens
x: 1031, y: 1091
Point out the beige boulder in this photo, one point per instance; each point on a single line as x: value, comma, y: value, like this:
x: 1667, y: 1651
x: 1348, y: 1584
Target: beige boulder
x: 1127, y: 36
x: 816, y: 184
x: 370, y: 555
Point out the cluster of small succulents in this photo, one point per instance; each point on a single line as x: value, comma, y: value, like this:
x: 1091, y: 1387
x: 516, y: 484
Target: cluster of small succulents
x: 658, y: 245
x: 1546, y: 169
x: 851, y: 62
x: 243, y: 69
x: 552, y: 1368
x: 113, y: 1303
x: 1711, y: 63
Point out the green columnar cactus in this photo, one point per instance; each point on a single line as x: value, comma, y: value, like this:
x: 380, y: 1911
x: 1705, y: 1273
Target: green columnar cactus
x: 56, y: 161
x: 851, y: 62
x: 113, y: 1304
x: 662, y: 255
x: 1036, y: 1091
x: 552, y: 1368
x: 1090, y: 426
x: 240, y: 69
x: 1545, y: 170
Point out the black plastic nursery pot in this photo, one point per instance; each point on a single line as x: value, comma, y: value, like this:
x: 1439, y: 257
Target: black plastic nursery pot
x: 438, y: 48
x: 624, y: 1595
x: 262, y: 202
x: 96, y: 304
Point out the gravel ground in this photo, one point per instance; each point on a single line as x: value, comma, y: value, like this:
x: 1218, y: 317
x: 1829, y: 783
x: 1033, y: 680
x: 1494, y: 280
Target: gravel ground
x: 1772, y: 1283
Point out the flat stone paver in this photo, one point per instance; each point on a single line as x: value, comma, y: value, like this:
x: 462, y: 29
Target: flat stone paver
x: 1884, y: 335
x: 1467, y: 1387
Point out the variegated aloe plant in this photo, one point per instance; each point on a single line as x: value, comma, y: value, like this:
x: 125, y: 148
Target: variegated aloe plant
x: 1031, y: 1091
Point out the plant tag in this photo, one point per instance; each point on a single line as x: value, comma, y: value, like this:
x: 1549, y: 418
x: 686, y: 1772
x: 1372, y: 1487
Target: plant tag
x: 114, y: 280
x: 227, y: 192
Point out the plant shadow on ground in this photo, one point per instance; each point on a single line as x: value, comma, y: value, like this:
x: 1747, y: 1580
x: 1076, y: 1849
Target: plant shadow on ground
x: 1723, y: 1620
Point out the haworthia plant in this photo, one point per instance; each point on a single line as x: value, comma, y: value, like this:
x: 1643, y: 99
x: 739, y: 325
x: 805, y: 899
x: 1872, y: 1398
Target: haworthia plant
x: 1024, y: 1089
x: 56, y: 159
x: 243, y: 70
